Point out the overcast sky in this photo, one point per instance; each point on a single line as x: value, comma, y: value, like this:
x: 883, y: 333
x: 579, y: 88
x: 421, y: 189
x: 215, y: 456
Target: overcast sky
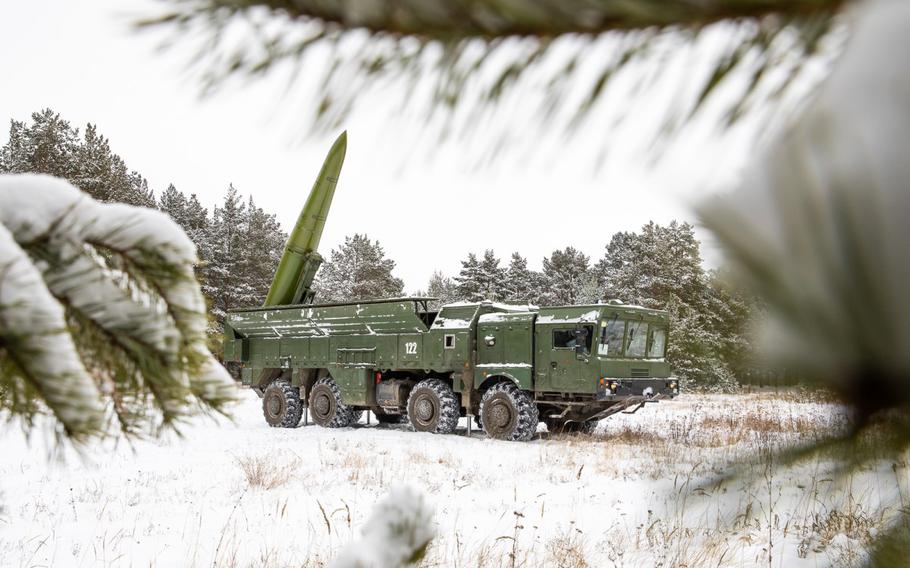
x: 428, y: 206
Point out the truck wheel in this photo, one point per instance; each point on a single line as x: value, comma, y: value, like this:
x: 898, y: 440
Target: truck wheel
x: 433, y: 407
x: 326, y: 406
x: 281, y: 405
x: 508, y: 413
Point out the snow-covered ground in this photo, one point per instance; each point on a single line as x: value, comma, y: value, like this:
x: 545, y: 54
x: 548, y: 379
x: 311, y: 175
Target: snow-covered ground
x: 637, y: 493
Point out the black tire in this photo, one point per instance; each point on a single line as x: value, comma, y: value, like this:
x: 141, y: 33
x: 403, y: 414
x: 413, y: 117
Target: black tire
x: 384, y: 418
x: 508, y: 413
x: 478, y: 422
x: 326, y: 406
x: 557, y: 426
x: 281, y: 405
x: 433, y: 407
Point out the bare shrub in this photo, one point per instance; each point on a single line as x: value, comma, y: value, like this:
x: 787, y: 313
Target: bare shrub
x: 567, y: 551
x: 264, y: 472
x: 853, y: 522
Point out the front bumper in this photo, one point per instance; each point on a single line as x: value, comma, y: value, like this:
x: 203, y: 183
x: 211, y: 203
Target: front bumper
x: 620, y: 389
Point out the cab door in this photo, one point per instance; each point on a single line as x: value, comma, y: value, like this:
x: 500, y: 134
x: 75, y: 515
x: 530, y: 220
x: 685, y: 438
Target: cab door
x: 564, y: 366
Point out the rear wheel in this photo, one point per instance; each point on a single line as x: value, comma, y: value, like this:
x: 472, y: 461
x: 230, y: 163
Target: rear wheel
x: 433, y: 407
x: 281, y: 405
x: 508, y: 413
x: 327, y: 408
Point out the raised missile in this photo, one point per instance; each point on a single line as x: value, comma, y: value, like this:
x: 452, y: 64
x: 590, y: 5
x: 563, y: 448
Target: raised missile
x: 294, y: 276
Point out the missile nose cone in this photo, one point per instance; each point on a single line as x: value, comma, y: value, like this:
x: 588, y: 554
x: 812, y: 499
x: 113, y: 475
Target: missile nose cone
x: 340, y: 145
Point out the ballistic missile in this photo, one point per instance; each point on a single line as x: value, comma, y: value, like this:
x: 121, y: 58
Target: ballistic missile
x: 294, y: 276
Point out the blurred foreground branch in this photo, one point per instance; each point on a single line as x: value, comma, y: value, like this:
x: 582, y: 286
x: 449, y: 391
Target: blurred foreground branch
x: 461, y: 57
x: 100, y: 313
x: 819, y: 232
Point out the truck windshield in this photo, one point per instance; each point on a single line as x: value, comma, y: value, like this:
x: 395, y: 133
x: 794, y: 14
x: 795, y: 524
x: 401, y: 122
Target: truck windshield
x: 636, y: 339
x: 638, y: 344
x: 611, y: 333
x: 658, y: 343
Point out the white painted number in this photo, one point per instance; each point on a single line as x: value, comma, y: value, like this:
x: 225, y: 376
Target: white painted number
x: 410, y: 348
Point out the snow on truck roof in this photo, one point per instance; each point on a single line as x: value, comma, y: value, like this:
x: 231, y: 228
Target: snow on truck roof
x: 506, y: 317
x: 330, y: 304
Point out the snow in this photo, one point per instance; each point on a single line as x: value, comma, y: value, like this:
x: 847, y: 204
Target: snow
x: 637, y: 493
x: 513, y: 308
x: 587, y: 317
x: 451, y: 323
x: 503, y: 318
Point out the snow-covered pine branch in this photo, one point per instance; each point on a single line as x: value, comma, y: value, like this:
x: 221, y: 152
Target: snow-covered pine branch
x: 396, y: 534
x: 100, y: 313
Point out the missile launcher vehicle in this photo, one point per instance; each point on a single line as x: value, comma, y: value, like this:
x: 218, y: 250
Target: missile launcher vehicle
x: 507, y: 367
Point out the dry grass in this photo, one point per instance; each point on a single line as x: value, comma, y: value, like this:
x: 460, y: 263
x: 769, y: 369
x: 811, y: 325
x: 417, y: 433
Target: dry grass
x: 567, y: 550
x: 267, y: 472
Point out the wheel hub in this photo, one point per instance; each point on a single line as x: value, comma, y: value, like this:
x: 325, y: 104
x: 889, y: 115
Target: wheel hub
x: 273, y: 405
x: 322, y: 405
x: 500, y: 416
x: 424, y: 410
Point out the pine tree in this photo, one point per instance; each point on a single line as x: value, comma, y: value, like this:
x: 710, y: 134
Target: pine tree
x: 492, y: 278
x: 468, y: 282
x: 197, y: 224
x: 442, y: 287
x: 173, y: 203
x: 523, y: 284
x: 358, y: 270
x: 47, y: 146
x: 262, y: 244
x: 95, y: 162
x: 223, y: 278
x: 565, y: 273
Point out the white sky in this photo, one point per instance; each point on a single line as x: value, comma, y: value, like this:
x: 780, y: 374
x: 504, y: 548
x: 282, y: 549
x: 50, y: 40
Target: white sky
x: 428, y: 211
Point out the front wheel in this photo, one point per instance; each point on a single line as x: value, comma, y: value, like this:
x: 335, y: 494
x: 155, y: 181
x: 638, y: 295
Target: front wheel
x: 281, y: 405
x: 327, y: 408
x: 508, y: 413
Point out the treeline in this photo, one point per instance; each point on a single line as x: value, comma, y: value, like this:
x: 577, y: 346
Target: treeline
x: 239, y: 246
x: 238, y: 243
x: 657, y: 267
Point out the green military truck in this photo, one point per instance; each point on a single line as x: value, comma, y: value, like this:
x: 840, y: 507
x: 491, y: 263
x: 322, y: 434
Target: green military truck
x: 507, y: 367
x: 513, y: 366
